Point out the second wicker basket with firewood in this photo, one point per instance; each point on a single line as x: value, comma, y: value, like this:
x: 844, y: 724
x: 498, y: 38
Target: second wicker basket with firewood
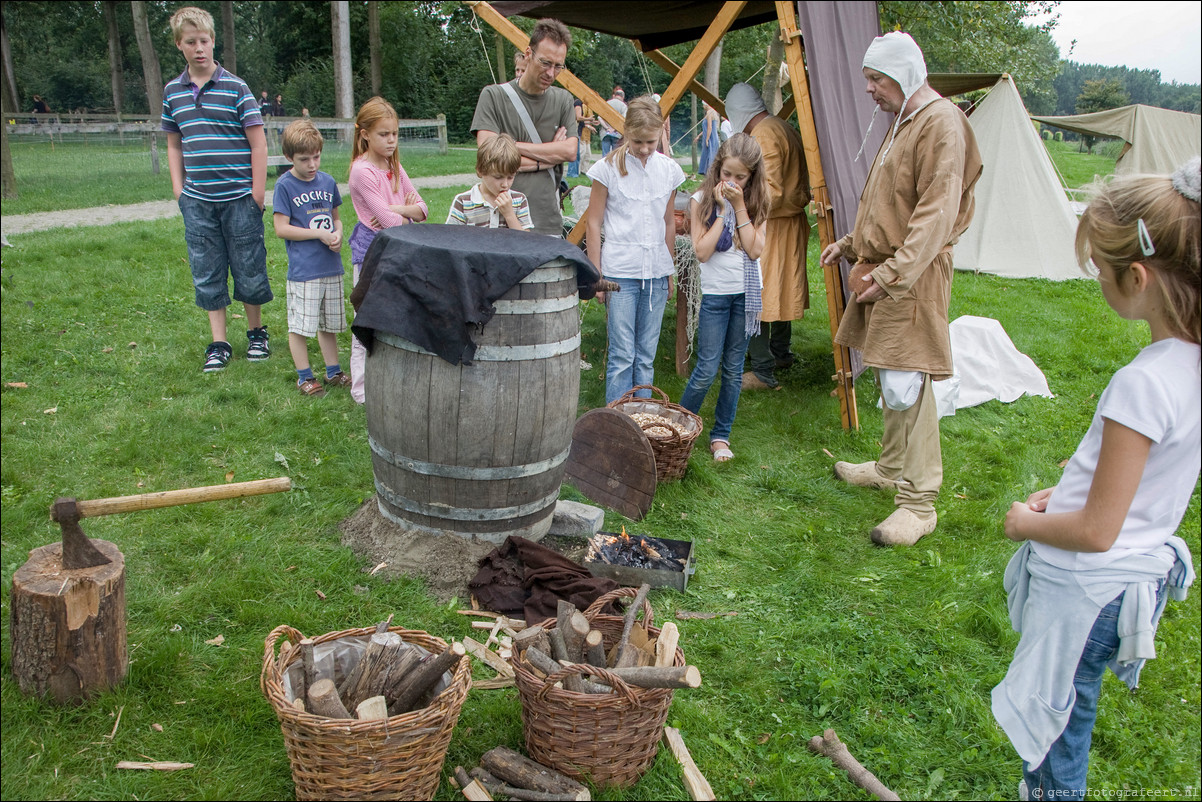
x: 609, y: 739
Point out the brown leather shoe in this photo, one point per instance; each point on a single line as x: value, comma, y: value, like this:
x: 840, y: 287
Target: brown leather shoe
x: 904, y: 528
x: 311, y: 387
x: 339, y: 379
x: 754, y: 382
x: 863, y: 474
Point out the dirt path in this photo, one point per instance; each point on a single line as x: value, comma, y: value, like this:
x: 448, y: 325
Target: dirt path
x: 157, y: 210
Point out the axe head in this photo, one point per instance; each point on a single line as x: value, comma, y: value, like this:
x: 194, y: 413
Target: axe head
x: 78, y: 551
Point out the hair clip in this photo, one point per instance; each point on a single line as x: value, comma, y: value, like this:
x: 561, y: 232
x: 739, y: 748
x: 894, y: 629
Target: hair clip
x: 1145, y: 239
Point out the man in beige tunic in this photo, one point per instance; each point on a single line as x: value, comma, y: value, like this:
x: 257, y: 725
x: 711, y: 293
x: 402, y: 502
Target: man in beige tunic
x: 783, y: 263
x: 917, y: 202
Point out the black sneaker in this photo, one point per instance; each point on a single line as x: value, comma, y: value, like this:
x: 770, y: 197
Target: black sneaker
x: 217, y: 356
x: 258, y: 349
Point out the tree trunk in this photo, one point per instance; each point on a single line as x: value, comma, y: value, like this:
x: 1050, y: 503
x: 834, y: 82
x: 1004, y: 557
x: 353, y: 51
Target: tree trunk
x: 8, y: 179
x: 500, y: 43
x: 150, y: 59
x: 10, y: 79
x: 713, y: 66
x: 116, y: 74
x: 373, y: 45
x: 344, y: 99
x: 229, y: 47
x: 772, y: 91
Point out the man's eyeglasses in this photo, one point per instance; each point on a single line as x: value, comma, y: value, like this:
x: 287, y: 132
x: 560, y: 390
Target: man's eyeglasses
x: 548, y: 65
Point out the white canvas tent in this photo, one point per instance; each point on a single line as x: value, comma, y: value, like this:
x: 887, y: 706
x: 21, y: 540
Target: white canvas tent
x: 1023, y: 226
x: 1158, y: 140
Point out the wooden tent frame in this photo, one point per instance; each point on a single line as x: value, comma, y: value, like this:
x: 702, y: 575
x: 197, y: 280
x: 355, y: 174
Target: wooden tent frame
x: 683, y: 79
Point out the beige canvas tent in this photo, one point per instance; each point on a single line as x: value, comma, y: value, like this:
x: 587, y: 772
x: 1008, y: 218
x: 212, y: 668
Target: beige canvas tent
x: 1158, y: 140
x: 1023, y: 226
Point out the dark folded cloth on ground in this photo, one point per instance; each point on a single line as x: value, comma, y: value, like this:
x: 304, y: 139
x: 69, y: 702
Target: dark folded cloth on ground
x: 433, y: 284
x: 520, y: 577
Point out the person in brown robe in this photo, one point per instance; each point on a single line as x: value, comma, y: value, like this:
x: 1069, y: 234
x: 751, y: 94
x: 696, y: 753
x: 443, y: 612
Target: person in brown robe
x: 917, y: 202
x: 783, y: 263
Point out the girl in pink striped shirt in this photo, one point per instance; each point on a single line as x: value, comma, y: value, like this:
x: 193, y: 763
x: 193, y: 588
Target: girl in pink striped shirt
x: 382, y: 194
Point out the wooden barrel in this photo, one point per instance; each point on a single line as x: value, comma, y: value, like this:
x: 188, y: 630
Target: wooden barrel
x: 479, y: 450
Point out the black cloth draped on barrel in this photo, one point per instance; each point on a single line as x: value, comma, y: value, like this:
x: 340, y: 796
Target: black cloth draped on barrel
x: 524, y: 578
x: 432, y: 284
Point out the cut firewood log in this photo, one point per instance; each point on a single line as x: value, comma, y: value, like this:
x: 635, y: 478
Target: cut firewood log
x: 559, y: 651
x: 493, y: 684
x: 368, y: 661
x: 491, y: 659
x: 324, y: 701
x: 665, y: 644
x: 408, y: 659
x: 694, y: 780
x: 308, y: 667
x: 830, y: 745
x: 471, y: 789
x: 374, y: 669
x: 421, y: 678
x: 496, y: 786
x: 382, y: 627
x: 625, y: 657
x: 573, y: 633
x: 594, y: 648
x: 532, y: 636
x: 655, y: 677
x: 520, y: 771
x: 548, y: 666
x: 371, y: 709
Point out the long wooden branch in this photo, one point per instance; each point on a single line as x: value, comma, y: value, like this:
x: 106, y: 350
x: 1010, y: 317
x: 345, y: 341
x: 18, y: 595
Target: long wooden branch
x: 830, y: 745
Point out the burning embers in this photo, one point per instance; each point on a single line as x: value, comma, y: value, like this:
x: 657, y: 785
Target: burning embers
x: 640, y: 551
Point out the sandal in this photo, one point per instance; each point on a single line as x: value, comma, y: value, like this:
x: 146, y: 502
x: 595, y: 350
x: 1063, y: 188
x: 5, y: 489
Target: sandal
x: 721, y: 451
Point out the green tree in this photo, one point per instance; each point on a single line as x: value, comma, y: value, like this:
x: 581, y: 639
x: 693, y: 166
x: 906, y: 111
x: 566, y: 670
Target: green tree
x: 982, y: 37
x: 1101, y: 95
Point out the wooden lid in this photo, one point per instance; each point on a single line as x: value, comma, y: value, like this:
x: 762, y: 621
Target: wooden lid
x: 612, y: 463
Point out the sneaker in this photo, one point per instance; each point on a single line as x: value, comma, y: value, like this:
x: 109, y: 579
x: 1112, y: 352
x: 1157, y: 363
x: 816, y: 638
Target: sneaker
x: 904, y: 528
x: 258, y: 349
x: 217, y: 356
x: 339, y: 379
x: 863, y: 474
x: 311, y: 387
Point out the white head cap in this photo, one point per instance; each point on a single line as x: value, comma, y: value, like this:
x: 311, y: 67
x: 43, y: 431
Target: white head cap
x: 898, y: 56
x: 742, y: 103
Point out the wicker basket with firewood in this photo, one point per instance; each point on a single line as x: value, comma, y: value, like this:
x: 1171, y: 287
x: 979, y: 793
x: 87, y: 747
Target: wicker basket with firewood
x: 595, y: 689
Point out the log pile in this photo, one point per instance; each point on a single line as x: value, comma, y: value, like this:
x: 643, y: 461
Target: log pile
x: 504, y: 772
x: 389, y: 678
x: 636, y: 658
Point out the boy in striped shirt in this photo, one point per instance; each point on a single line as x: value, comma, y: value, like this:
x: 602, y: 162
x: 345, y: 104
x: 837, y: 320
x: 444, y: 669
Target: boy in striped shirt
x: 492, y: 203
x: 217, y: 154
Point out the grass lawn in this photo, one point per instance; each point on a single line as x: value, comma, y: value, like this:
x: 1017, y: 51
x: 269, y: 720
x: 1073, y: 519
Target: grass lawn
x: 897, y: 649
x: 78, y: 175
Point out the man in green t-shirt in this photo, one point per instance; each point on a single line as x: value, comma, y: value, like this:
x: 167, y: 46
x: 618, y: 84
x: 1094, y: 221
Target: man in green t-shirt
x: 548, y: 108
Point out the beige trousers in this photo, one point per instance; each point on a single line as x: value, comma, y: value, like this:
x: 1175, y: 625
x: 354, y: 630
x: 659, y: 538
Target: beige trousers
x: 910, y: 452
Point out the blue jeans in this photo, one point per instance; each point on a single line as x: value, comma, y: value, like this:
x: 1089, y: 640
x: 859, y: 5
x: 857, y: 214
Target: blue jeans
x: 226, y: 239
x: 721, y: 342
x: 1061, y: 775
x: 574, y: 165
x: 608, y: 143
x: 634, y: 319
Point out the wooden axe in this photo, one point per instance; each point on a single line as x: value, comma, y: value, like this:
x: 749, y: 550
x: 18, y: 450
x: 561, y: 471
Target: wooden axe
x: 78, y: 551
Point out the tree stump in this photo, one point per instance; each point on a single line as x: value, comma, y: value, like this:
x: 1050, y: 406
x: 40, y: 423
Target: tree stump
x: 68, y: 626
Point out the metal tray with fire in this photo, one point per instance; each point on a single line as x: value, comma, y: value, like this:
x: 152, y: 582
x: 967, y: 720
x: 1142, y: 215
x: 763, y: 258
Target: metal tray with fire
x: 633, y: 560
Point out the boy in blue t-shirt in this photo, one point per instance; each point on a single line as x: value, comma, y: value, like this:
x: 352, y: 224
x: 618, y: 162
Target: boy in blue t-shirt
x: 305, y: 214
x: 217, y: 154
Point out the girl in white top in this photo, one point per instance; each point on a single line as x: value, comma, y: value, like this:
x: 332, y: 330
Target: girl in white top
x: 633, y: 194
x: 1124, y: 492
x: 728, y: 216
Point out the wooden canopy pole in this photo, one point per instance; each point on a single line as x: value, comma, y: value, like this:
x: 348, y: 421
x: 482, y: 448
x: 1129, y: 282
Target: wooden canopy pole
x: 791, y: 34
x: 673, y: 69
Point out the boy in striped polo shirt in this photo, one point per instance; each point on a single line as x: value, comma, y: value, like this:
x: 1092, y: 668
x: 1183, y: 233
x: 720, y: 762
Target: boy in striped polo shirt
x: 217, y: 153
x: 491, y: 203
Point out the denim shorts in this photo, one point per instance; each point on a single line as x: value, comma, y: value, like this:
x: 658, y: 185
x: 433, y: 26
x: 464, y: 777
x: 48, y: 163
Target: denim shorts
x: 226, y: 239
